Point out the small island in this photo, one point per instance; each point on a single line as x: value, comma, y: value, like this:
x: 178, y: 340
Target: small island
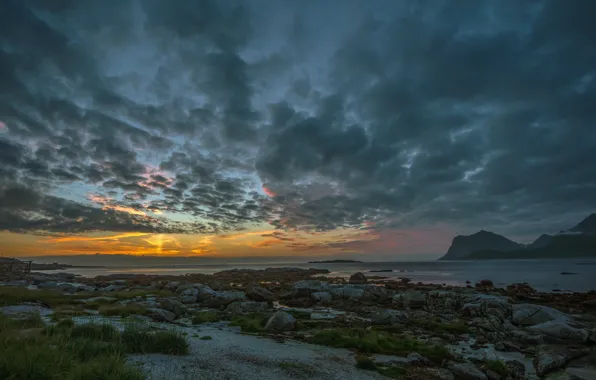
x: 334, y: 262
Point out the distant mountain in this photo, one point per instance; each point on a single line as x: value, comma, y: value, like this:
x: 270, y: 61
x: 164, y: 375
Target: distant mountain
x: 586, y: 226
x: 334, y: 261
x: 559, y: 246
x: 462, y: 246
x: 543, y: 240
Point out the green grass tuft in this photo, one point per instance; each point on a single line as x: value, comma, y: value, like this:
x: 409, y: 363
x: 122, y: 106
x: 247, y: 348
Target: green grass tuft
x: 497, y: 366
x: 143, y: 341
x: 393, y: 372
x: 205, y: 317
x: 52, y: 298
x: 206, y: 337
x: 122, y: 310
x: 254, y: 323
x: 377, y: 342
x: 364, y: 362
x: 456, y: 327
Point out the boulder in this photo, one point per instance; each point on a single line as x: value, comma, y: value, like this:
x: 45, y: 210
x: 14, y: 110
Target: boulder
x: 389, y: 317
x: 113, y: 288
x: 47, y: 285
x: 188, y: 295
x: 347, y: 292
x: 280, y: 321
x: 224, y: 298
x: 466, y: 371
x: 358, y: 278
x: 246, y: 307
x: 182, y: 287
x: 550, y: 358
x: 529, y: 314
x: 516, y: 369
x: 593, y: 335
x: 258, y: 293
x: 415, y: 358
x: 25, y: 310
x: 492, y: 375
x: 312, y: 285
x: 174, y: 306
x: 204, y: 292
x: 559, y: 329
x: 484, y: 305
x: 160, y: 315
x: 377, y: 293
x: 410, y: 300
x: 321, y: 297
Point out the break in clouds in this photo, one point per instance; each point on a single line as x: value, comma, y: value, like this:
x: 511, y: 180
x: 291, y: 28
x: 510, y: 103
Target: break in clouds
x: 211, y: 116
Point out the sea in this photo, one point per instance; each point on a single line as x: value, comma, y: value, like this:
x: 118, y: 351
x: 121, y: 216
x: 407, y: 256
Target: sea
x: 544, y: 275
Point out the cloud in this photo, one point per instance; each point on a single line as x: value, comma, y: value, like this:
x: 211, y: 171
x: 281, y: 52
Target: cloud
x: 211, y: 118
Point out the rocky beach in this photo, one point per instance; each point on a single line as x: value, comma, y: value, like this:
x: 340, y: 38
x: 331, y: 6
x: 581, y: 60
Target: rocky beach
x: 291, y: 323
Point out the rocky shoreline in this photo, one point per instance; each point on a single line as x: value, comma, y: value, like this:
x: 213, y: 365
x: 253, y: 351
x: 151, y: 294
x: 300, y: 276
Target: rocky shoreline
x: 395, y: 328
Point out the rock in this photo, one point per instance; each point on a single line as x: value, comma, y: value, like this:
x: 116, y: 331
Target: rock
x: 204, y: 292
x: 377, y: 293
x: 280, y: 321
x: 516, y: 369
x: 593, y: 335
x: 184, y: 286
x: 492, y: 375
x: 224, y: 298
x: 389, y: 317
x: 47, y: 285
x: 17, y: 283
x: 120, y: 282
x: 484, y: 305
x: 113, y: 288
x: 173, y: 285
x: 323, y: 297
x: 258, y: 293
x: 174, y: 306
x: 24, y: 310
x: 358, y: 278
x: 347, y: 292
x: 247, y: 307
x: 561, y: 330
x: 312, y: 285
x: 529, y: 314
x: 188, y: 295
x: 66, y: 287
x: 410, y: 300
x: 466, y: 371
x: 428, y: 373
x: 415, y: 358
x: 160, y: 315
x: 550, y: 358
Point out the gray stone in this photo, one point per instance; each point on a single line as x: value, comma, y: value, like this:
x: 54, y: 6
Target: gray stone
x: 184, y: 286
x: 312, y: 285
x: 466, y: 371
x: 173, y: 285
x: 174, y: 306
x: 204, y: 292
x: 321, y: 297
x: 258, y: 293
x: 280, y: 321
x: 561, y: 330
x: 529, y: 315
x: 47, y: 285
x: 492, y: 375
x: 247, y: 307
x: 550, y: 358
x: 516, y: 369
x: 113, y: 288
x: 160, y: 315
x: 347, y: 292
x: 188, y: 295
x: 24, y: 310
x: 358, y: 278
x: 593, y: 335
x: 410, y: 300
x: 389, y: 317
x: 415, y: 358
x: 378, y: 293
x: 66, y: 287
x: 18, y: 283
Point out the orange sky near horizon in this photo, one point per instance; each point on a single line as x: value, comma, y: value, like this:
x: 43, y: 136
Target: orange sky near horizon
x: 260, y: 242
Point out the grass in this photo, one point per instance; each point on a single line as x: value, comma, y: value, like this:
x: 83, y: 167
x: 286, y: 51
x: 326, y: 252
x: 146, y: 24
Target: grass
x: 67, y: 311
x: 497, y: 366
x: 206, y: 337
x: 377, y: 342
x: 205, y: 317
x: 52, y: 298
x: 29, y: 321
x: 122, y: 310
x: 254, y: 323
x: 457, y: 327
x: 366, y: 363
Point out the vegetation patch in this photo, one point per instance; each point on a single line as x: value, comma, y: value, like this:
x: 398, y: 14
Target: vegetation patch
x: 364, y: 362
x: 27, y: 321
x: 253, y: 323
x: 392, y: 372
x: 299, y: 314
x: 497, y: 366
x: 205, y: 317
x: 52, y: 298
x: 378, y: 342
x: 206, y: 337
x: 122, y: 310
x: 456, y: 327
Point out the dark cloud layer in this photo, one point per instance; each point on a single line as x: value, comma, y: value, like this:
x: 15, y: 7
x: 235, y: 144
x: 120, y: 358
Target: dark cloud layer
x: 474, y: 113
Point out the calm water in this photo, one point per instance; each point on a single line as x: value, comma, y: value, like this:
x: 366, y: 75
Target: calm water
x: 544, y: 275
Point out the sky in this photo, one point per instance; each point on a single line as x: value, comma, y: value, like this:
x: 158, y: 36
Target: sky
x: 336, y: 128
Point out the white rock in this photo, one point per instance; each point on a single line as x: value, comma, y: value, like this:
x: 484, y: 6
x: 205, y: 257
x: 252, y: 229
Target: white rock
x: 528, y: 314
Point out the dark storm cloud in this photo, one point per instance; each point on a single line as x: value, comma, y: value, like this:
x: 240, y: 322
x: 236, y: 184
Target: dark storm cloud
x: 474, y: 113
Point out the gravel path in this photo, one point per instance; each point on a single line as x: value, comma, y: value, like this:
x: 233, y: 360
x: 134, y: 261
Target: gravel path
x: 232, y: 356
